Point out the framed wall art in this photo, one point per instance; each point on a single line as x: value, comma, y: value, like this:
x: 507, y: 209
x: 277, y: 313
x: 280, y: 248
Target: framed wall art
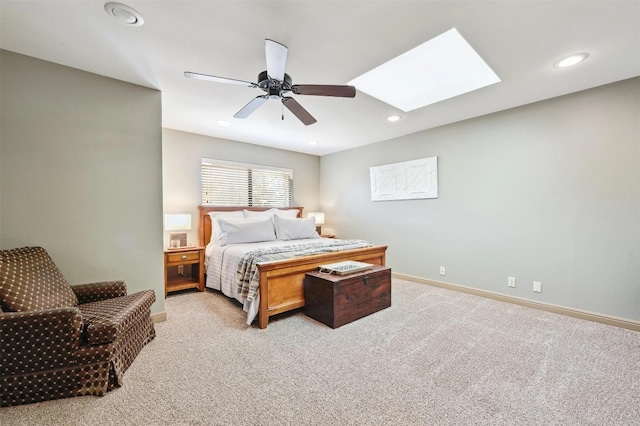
x: 407, y: 180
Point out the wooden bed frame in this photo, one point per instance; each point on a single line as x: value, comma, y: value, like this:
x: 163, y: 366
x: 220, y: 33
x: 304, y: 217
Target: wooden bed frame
x: 282, y: 282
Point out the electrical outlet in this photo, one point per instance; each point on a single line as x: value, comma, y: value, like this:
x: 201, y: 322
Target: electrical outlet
x: 511, y: 282
x: 442, y: 270
x: 537, y: 286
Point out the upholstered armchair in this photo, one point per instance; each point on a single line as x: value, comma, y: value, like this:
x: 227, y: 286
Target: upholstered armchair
x: 59, y: 340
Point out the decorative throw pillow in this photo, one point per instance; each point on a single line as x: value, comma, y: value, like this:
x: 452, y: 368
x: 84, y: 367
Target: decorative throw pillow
x: 295, y: 229
x: 30, y: 281
x: 250, y: 230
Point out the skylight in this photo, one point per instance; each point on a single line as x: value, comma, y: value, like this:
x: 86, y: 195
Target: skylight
x: 439, y: 69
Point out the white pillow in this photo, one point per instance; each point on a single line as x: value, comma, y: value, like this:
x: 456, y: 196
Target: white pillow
x: 215, y: 229
x: 289, y: 213
x: 238, y: 231
x: 262, y: 214
x: 295, y: 229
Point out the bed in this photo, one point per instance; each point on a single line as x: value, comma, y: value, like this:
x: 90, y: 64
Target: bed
x: 280, y: 283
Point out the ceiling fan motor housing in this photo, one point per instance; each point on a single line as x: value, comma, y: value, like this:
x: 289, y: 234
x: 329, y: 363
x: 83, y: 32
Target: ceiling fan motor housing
x: 274, y: 87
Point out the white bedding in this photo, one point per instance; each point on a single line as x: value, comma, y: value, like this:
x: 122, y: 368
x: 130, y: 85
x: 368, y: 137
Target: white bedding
x: 221, y: 265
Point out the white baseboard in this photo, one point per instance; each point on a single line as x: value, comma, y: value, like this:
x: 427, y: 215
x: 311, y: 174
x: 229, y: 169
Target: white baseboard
x: 563, y: 310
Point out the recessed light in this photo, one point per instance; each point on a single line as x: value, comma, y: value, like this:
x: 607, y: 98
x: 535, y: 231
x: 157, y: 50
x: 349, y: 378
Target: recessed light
x: 313, y: 142
x: 224, y: 123
x: 571, y: 60
x: 439, y: 69
x: 124, y: 14
x: 393, y: 118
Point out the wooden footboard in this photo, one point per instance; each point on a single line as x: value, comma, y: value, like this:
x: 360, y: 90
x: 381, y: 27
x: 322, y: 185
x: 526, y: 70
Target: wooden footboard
x: 282, y: 282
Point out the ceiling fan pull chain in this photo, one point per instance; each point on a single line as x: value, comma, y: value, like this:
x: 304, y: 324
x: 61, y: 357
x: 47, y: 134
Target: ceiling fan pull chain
x: 282, y: 109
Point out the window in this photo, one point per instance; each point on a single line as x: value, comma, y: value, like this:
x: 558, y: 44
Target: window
x: 226, y: 183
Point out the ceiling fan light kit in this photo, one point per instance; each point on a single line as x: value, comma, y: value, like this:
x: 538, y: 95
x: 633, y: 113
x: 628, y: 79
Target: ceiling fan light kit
x: 276, y: 84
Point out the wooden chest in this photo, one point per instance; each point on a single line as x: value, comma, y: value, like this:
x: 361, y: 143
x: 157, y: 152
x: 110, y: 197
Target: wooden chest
x: 336, y: 300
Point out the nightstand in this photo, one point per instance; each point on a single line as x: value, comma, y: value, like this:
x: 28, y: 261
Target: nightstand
x: 183, y: 269
x: 327, y: 235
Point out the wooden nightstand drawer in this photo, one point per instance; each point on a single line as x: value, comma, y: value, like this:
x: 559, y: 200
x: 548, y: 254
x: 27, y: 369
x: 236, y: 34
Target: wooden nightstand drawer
x: 183, y: 256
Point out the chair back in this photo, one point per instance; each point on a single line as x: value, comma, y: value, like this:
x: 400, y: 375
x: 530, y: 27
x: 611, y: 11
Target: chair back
x: 30, y: 281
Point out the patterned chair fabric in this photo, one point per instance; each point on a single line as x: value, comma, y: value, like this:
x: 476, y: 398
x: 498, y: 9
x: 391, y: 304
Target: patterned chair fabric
x: 53, y: 345
x: 32, y: 282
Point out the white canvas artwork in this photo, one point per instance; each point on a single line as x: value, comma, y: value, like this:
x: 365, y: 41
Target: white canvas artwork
x: 408, y: 180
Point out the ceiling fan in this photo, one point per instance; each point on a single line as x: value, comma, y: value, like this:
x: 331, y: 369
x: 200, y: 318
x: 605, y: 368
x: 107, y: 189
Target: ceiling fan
x: 276, y: 83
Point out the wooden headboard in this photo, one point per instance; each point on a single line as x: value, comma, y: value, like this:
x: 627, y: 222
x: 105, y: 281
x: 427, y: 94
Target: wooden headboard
x: 204, y: 220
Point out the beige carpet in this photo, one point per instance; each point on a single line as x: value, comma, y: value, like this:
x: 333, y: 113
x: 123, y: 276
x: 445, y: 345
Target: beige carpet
x: 436, y: 357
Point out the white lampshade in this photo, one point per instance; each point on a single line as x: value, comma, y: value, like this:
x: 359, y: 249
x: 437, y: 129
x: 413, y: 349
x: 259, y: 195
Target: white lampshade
x: 318, y: 217
x: 177, y: 222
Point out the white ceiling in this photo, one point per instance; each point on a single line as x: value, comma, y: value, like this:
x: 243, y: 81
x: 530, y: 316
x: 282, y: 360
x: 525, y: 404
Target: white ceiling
x: 330, y: 42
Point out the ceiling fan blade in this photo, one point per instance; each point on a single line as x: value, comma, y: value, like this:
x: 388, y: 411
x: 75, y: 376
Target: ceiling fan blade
x: 251, y: 106
x: 297, y: 110
x: 276, y: 59
x: 324, y: 90
x: 219, y: 79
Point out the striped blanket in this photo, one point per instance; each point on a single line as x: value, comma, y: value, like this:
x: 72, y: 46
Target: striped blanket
x: 248, y: 278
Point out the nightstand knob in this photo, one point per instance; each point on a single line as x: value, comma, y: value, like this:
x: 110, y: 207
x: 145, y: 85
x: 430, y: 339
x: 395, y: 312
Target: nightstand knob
x: 183, y: 257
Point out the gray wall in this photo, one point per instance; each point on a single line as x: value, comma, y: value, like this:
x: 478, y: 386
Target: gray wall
x: 181, y: 157
x: 547, y: 192
x: 81, y: 172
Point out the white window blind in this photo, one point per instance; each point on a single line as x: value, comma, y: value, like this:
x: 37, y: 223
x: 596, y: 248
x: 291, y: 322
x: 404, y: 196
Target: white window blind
x: 226, y: 183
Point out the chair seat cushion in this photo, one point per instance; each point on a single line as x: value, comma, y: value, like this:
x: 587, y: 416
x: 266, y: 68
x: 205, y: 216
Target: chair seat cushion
x: 105, y: 320
x: 30, y: 281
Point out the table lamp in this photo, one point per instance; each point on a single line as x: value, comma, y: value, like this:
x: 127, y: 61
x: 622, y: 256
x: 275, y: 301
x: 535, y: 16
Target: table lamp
x: 177, y: 222
x: 319, y: 218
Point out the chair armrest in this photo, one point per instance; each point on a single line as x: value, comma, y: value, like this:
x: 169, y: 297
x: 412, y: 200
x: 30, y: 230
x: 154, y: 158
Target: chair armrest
x: 39, y: 340
x: 93, y: 292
